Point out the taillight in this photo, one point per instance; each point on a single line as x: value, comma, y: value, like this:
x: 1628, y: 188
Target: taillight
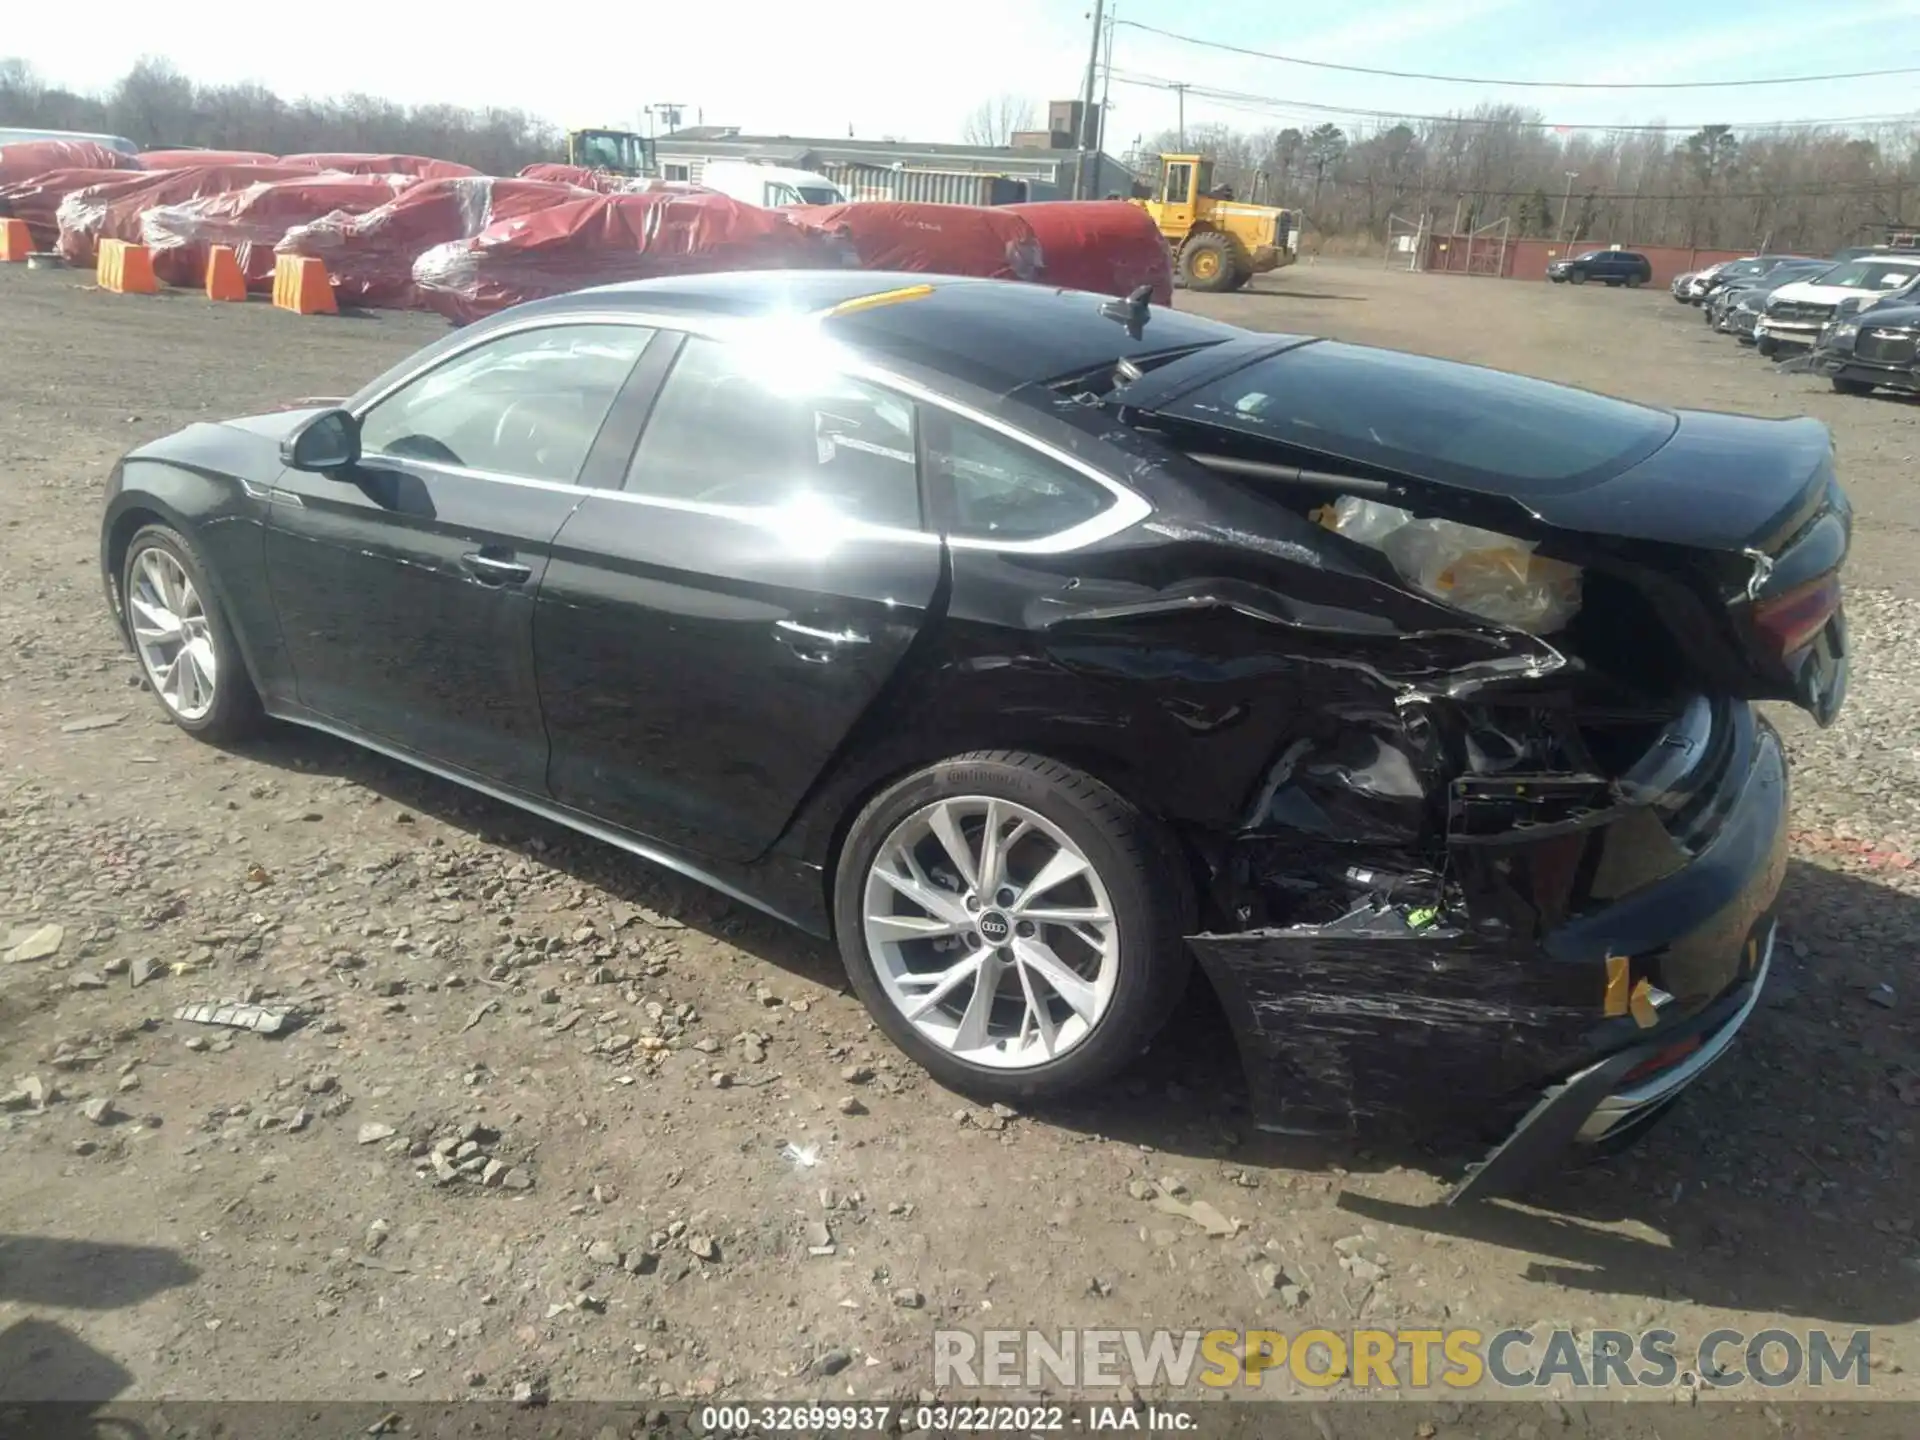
x: 1793, y: 620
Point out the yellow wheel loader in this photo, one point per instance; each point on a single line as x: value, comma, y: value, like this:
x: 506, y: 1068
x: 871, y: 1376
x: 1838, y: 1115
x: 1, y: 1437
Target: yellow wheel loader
x: 1218, y: 243
x: 618, y: 152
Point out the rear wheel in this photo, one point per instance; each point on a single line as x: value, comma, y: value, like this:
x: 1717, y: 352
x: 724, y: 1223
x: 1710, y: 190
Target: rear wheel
x: 1009, y: 923
x: 1634, y: 282
x: 1848, y: 386
x: 1207, y: 263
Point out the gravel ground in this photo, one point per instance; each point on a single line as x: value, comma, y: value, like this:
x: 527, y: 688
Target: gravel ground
x: 197, y: 1213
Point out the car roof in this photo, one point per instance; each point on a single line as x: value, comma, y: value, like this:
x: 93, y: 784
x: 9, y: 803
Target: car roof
x: 998, y: 335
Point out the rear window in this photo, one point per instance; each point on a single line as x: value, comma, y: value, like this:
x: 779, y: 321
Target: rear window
x: 1459, y: 424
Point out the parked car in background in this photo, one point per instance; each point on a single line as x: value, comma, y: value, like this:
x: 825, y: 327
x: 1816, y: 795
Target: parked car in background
x: 1794, y: 314
x: 1039, y: 646
x: 1735, y: 309
x: 1741, y: 272
x: 1692, y: 287
x: 1610, y: 267
x: 1877, y: 347
x: 770, y: 186
x: 1863, y: 352
x: 1687, y: 286
x: 15, y: 135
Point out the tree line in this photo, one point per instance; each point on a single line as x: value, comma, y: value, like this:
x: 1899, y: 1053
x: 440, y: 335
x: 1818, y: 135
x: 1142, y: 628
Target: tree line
x: 1801, y: 188
x: 1805, y: 188
x: 158, y: 107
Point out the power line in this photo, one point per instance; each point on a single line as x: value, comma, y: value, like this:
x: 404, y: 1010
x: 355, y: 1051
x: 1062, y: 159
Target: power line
x: 1528, y: 84
x: 1268, y: 104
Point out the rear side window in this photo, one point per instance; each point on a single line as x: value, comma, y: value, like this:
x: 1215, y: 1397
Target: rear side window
x: 1004, y: 490
x: 729, y: 430
x: 1481, y: 429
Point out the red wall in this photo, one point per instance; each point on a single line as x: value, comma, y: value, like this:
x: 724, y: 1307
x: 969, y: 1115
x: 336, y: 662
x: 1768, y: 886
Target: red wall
x: 1528, y: 259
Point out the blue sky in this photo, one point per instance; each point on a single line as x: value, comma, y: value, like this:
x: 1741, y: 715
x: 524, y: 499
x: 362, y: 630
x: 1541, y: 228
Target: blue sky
x: 883, y: 68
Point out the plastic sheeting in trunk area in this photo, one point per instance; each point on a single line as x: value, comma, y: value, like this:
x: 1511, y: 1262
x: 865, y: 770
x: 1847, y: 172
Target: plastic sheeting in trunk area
x: 370, y: 254
x: 607, y: 239
x: 253, y: 221
x: 931, y: 239
x: 1106, y: 246
x: 112, y: 210
x: 29, y: 158
x: 37, y: 201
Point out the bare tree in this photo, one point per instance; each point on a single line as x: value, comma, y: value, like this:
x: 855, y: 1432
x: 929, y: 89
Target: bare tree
x: 994, y: 121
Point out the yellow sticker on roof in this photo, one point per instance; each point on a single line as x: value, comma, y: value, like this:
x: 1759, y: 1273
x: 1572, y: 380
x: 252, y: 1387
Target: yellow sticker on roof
x: 882, y: 297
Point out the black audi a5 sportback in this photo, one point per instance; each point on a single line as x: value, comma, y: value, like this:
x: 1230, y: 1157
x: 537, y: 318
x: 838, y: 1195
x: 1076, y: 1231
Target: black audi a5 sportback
x: 1035, y: 645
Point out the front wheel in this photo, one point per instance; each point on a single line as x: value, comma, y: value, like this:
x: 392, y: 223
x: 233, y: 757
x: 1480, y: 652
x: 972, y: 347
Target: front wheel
x: 1207, y: 263
x: 1012, y: 924
x: 184, y: 644
x: 1578, y: 277
x: 1767, y: 346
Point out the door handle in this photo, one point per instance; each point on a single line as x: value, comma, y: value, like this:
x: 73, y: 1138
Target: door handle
x: 813, y: 644
x: 495, y: 570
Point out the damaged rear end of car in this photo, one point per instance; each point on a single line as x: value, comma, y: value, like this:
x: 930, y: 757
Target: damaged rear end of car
x: 1514, y: 858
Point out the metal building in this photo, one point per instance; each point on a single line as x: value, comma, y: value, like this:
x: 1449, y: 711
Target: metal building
x: 904, y: 170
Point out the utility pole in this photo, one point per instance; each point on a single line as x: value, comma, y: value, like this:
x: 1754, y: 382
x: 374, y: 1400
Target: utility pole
x: 1100, y: 129
x: 668, y: 115
x: 1179, y: 88
x: 1081, y: 181
x: 1565, y: 200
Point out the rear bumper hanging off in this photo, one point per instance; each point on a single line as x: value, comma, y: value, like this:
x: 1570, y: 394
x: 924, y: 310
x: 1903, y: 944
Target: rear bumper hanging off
x: 1594, y: 1103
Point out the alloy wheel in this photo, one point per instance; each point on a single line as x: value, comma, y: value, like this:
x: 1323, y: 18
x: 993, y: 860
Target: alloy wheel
x: 172, y: 634
x: 991, y: 932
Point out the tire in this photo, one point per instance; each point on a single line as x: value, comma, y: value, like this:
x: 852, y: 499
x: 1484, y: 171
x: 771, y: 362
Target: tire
x: 1636, y: 282
x: 1578, y: 277
x: 1207, y: 263
x: 1847, y: 386
x: 1767, y: 346
x: 233, y: 711
x: 1130, y: 859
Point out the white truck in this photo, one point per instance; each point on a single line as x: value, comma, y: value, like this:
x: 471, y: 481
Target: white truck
x: 769, y: 185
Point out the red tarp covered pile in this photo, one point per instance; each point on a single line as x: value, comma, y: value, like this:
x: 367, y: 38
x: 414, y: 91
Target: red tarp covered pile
x: 601, y: 182
x: 370, y: 254
x: 181, y: 159
x: 253, y: 220
x: 422, y: 167
x: 37, y: 201
x: 607, y: 239
x: 1107, y: 246
x: 112, y: 209
x: 28, y: 158
x: 935, y: 239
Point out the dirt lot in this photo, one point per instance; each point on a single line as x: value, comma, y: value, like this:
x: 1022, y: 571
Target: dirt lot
x: 257, y: 1217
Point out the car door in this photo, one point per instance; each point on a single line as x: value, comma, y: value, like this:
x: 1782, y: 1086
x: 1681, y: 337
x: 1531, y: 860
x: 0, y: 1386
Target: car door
x: 405, y: 584
x: 708, y: 637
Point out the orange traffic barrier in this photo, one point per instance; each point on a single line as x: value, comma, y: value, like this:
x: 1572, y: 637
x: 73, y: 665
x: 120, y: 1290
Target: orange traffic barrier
x: 300, y: 284
x: 125, y: 269
x: 224, y: 280
x: 15, y: 242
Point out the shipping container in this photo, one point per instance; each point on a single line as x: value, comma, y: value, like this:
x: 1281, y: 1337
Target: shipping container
x: 933, y: 187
